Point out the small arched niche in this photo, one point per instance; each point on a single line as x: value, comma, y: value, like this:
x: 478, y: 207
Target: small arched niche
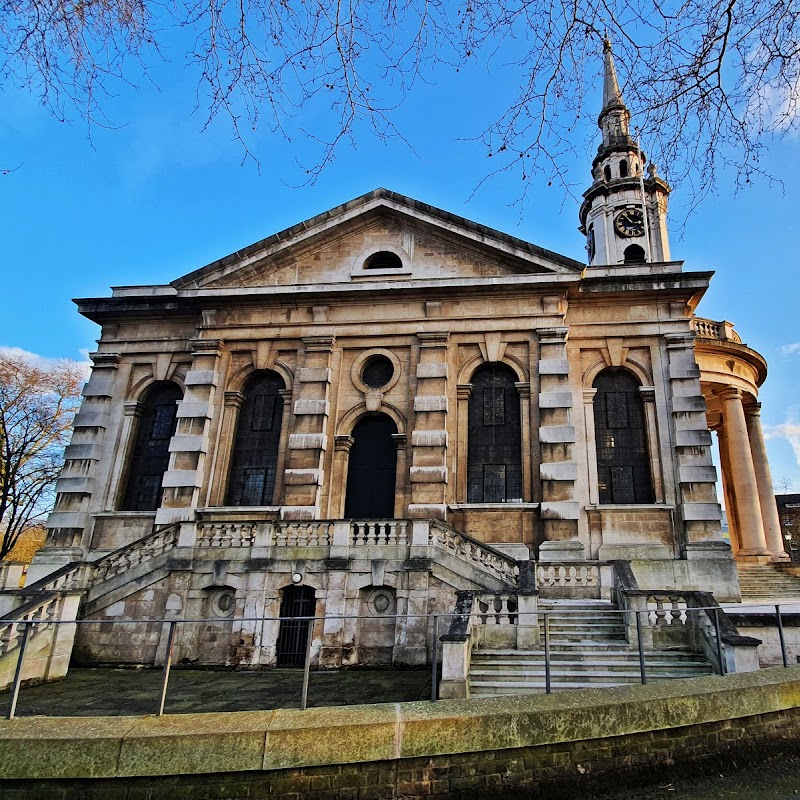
x: 634, y: 254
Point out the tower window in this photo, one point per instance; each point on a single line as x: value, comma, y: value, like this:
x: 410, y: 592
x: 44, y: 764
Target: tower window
x: 634, y: 254
x: 607, y: 172
x: 623, y: 168
x: 383, y: 260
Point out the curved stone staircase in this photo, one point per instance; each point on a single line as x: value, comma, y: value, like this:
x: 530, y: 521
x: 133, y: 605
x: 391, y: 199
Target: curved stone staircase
x: 588, y: 649
x: 762, y: 582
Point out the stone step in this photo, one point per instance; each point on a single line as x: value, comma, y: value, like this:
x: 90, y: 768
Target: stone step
x: 492, y: 689
x: 573, y: 676
x: 581, y: 659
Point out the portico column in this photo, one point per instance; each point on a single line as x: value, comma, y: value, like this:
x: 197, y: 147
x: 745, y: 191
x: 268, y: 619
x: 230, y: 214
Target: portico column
x: 728, y: 490
x: 766, y: 495
x: 751, y: 530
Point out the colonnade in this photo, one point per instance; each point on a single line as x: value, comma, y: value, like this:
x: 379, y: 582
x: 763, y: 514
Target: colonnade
x: 747, y: 483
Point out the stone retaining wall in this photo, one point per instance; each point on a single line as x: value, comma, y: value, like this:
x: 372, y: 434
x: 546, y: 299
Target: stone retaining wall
x: 452, y: 749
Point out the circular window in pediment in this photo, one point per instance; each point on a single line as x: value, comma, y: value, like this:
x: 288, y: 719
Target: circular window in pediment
x: 383, y: 259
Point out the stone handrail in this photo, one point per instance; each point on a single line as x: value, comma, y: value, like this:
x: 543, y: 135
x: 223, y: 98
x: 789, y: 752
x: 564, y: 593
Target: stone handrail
x: 568, y: 574
x: 36, y: 614
x: 226, y: 534
x: 70, y: 576
x: 474, y: 552
x: 154, y: 544
x: 710, y: 329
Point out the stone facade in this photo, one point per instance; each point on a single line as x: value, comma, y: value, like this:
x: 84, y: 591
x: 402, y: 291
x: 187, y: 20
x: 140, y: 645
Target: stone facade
x: 403, y: 353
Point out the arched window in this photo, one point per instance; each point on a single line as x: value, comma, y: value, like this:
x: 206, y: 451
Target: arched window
x: 634, y: 254
x: 255, y: 450
x: 623, y: 168
x: 607, y: 172
x: 383, y: 260
x: 150, y: 455
x: 623, y: 464
x: 494, y: 449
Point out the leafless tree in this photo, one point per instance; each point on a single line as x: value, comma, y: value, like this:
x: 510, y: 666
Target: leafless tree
x: 37, y: 407
x: 708, y: 81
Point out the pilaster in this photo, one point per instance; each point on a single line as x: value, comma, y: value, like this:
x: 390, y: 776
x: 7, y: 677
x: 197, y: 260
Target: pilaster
x: 699, y: 512
x: 190, y: 444
x: 558, y: 470
x: 69, y: 524
x: 428, y: 473
x: 307, y: 440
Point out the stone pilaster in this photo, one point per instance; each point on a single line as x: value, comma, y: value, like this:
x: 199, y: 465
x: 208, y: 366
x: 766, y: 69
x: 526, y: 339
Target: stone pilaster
x: 190, y: 444
x: 558, y: 470
x: 428, y: 472
x: 766, y: 494
x: 79, y: 485
x: 699, y: 512
x: 307, y: 440
x: 751, y: 526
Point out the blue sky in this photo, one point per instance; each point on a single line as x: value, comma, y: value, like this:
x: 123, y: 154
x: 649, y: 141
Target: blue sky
x: 155, y: 197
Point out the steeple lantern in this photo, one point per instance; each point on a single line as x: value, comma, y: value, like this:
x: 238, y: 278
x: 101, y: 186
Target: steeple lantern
x: 624, y: 213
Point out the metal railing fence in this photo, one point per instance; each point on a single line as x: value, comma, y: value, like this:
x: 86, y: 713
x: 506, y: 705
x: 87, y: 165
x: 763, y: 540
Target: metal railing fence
x: 648, y: 618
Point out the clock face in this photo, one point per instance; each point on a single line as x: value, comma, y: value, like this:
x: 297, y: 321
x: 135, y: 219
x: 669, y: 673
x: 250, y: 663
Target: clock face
x: 629, y: 222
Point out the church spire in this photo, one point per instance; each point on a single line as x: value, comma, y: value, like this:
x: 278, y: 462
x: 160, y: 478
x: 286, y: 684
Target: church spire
x: 614, y: 119
x: 624, y: 213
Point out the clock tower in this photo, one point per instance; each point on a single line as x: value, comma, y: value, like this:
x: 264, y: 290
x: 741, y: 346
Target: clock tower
x: 624, y: 211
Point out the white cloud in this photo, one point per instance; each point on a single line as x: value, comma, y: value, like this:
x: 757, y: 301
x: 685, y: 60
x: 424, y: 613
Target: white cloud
x: 789, y: 430
x: 44, y: 362
x: 790, y: 349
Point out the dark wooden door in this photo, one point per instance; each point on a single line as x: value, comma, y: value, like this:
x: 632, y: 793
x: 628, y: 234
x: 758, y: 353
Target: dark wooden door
x: 298, y: 601
x: 372, y: 470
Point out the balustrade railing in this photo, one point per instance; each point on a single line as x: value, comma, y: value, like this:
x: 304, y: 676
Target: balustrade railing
x: 568, y: 575
x: 497, y: 609
x: 36, y: 614
x: 154, y: 544
x: 710, y: 329
x: 474, y: 552
x: 226, y: 534
x: 306, y: 533
x: 388, y: 532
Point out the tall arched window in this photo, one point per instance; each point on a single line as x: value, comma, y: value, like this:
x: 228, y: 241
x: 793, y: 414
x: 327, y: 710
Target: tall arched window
x: 150, y: 455
x: 255, y: 449
x: 623, y: 464
x: 494, y: 449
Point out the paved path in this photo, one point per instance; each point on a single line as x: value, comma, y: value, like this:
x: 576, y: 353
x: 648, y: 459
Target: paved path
x: 105, y: 691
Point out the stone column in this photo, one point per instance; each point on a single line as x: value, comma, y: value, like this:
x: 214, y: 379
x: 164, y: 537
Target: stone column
x: 190, y: 444
x: 308, y: 440
x: 227, y: 435
x: 558, y: 470
x: 728, y: 490
x: 751, y: 532
x: 766, y: 494
x: 428, y: 471
x: 342, y: 445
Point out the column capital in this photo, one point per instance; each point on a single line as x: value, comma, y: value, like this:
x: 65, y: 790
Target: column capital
x: 319, y: 344
x: 433, y: 338
x: 133, y: 408
x: 523, y: 388
x: 463, y: 391
x: 105, y: 360
x: 286, y: 394
x: 400, y: 440
x: 730, y: 393
x: 753, y: 410
x: 557, y: 335
x: 206, y: 347
x: 343, y: 443
x: 648, y: 394
x: 234, y: 399
x: 588, y: 396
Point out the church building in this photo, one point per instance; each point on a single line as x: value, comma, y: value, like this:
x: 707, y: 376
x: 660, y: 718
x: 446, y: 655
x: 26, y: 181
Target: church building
x: 386, y: 404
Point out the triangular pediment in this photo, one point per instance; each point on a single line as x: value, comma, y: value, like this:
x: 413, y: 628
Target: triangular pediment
x: 335, y: 247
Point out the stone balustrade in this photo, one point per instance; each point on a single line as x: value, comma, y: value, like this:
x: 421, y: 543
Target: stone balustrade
x: 710, y: 329
x: 575, y: 579
x: 380, y: 532
x: 474, y: 552
x: 155, y: 544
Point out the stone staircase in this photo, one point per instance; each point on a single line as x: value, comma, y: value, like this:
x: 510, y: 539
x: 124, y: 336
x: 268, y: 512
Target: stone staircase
x: 760, y: 582
x: 588, y: 649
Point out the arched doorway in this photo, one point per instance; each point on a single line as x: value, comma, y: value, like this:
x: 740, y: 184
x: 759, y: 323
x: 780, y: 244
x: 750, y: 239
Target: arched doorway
x: 372, y: 469
x: 297, y: 602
